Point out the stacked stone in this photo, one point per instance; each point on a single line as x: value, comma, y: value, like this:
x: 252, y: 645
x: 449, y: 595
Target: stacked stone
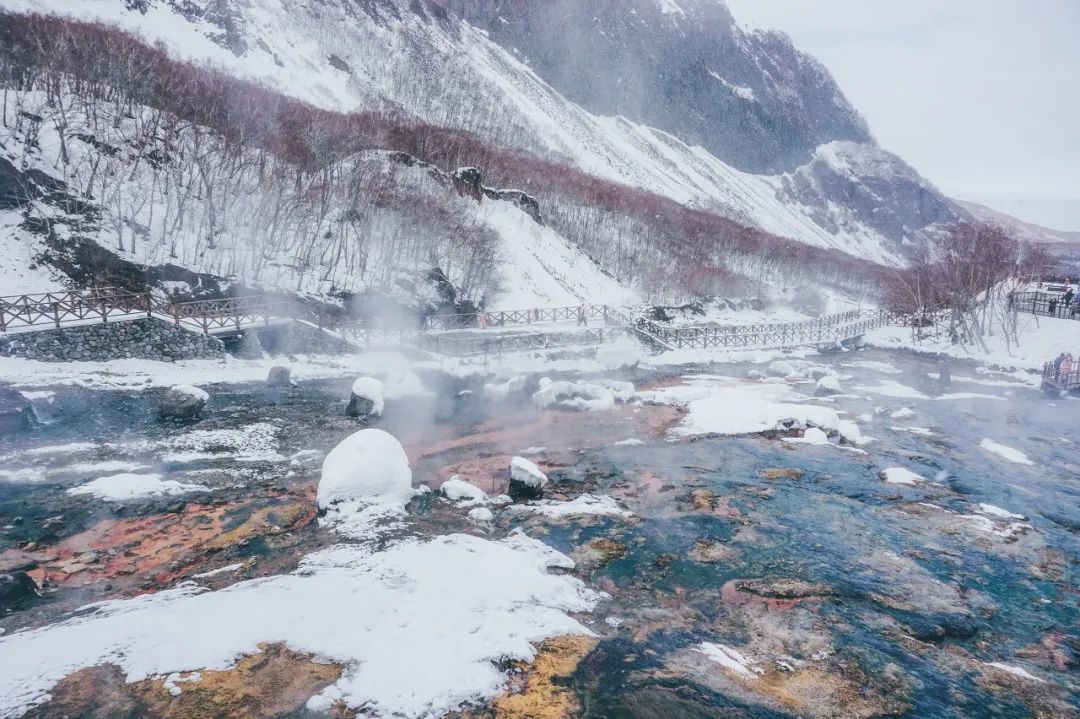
x: 143, y: 339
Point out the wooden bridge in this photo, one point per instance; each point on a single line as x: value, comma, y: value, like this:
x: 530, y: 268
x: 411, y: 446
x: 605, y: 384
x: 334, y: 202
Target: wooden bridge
x: 473, y: 334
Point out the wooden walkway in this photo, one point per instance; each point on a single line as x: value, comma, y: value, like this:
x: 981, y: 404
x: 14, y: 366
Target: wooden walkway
x: 481, y: 333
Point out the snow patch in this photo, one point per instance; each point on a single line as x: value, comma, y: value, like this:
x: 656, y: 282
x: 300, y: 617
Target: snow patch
x: 123, y: 487
x: 1007, y: 453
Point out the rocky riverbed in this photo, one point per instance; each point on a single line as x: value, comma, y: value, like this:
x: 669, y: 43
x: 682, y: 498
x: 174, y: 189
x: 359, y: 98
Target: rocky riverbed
x: 727, y: 540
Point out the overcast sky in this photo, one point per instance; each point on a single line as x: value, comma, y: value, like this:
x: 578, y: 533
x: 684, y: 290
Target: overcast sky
x: 981, y: 96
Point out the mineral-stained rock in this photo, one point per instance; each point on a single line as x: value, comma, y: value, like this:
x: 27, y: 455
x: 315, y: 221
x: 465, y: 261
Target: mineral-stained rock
x: 779, y: 473
x: 275, y: 682
x: 543, y: 695
x: 783, y: 588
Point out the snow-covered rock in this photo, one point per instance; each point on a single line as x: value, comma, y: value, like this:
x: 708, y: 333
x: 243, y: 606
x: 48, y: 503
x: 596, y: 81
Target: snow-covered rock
x: 369, y: 466
x: 457, y: 490
x: 526, y: 479
x: 499, y: 391
x: 280, y: 376
x: 127, y: 486
x: 585, y: 395
x: 481, y: 515
x: 813, y: 435
x: 183, y: 401
x: 366, y: 399
x: 827, y: 386
x: 583, y: 506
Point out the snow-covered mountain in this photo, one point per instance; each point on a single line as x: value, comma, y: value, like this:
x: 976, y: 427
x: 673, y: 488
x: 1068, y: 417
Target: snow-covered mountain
x: 1021, y: 230
x: 747, y: 97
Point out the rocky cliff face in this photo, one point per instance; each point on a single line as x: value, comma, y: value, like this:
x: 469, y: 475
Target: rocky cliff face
x: 848, y: 187
x: 749, y: 97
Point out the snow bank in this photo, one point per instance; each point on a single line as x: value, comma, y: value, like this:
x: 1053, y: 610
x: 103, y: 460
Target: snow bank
x: 592, y: 395
x: 371, y: 389
x: 1007, y: 453
x: 753, y: 409
x: 527, y: 473
x: 899, y: 475
x: 368, y: 466
x: 381, y: 615
x: 121, y: 487
x: 813, y: 435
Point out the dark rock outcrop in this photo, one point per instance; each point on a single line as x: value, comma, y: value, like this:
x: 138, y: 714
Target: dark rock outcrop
x: 16, y: 412
x: 749, y: 97
x: 17, y: 590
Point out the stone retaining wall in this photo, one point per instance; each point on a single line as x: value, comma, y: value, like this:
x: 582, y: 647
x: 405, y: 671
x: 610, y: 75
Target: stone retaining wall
x: 147, y: 338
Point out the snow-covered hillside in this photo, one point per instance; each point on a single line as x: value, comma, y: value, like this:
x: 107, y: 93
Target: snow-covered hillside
x: 386, y: 217
x: 416, y: 58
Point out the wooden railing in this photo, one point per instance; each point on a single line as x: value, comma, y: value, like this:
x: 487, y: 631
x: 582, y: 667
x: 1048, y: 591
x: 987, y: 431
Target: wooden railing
x: 1054, y: 378
x: 57, y: 308
x: 496, y: 344
x: 1050, y: 304
x: 581, y: 314
x: 223, y: 315
x: 826, y: 330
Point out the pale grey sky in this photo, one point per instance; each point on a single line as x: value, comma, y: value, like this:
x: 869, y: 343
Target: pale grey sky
x: 981, y: 96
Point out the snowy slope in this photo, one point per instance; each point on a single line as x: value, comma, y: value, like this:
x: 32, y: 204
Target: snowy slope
x: 391, y: 54
x: 540, y: 269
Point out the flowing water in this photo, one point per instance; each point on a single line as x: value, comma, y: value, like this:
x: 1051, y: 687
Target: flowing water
x: 757, y: 577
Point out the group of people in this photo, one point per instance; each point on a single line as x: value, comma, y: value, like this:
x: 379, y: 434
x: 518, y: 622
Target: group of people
x: 1068, y: 303
x: 1063, y: 365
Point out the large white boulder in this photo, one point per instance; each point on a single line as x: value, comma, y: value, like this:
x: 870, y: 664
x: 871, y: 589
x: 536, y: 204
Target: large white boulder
x: 368, y: 466
x: 366, y: 400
